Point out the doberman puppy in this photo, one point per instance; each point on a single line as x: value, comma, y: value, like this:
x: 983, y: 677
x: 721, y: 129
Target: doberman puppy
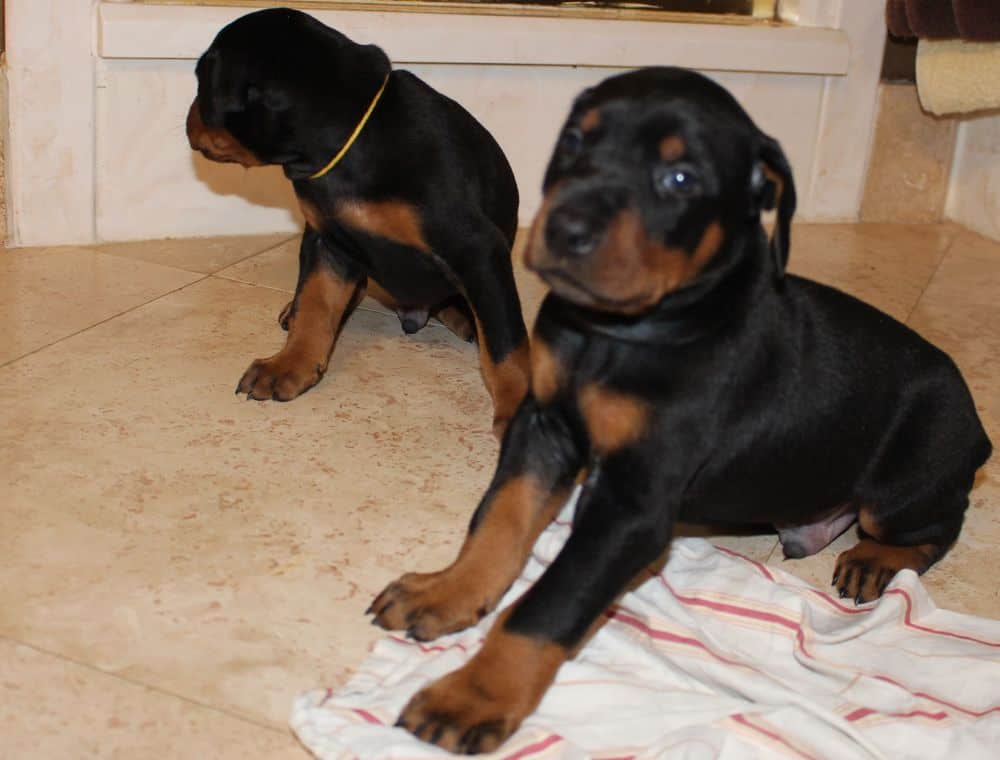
x: 680, y: 374
x: 405, y: 195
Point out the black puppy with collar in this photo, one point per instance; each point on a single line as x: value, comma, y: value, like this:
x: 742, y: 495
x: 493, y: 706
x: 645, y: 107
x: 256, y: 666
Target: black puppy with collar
x: 680, y: 374
x: 406, y: 196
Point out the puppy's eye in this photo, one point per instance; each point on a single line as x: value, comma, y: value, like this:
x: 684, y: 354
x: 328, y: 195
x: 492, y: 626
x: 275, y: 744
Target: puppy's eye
x: 675, y: 180
x: 571, y: 142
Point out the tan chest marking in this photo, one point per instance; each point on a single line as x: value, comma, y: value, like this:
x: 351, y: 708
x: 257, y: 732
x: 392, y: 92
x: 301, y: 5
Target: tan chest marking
x: 547, y: 374
x: 613, y: 419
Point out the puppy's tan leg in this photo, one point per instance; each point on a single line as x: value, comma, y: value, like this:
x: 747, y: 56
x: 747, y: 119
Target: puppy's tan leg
x: 323, y: 302
x: 474, y: 709
x: 429, y: 605
x: 458, y: 321
x: 538, y: 464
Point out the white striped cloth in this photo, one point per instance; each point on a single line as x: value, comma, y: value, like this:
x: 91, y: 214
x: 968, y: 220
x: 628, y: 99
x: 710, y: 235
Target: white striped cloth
x: 718, y: 656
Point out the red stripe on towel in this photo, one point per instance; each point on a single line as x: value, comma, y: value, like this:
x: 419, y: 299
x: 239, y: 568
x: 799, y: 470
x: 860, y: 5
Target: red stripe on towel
x: 534, y: 749
x: 777, y: 737
x: 799, y: 637
x: 864, y: 712
x: 367, y: 716
x: 935, y: 631
x: 759, y: 565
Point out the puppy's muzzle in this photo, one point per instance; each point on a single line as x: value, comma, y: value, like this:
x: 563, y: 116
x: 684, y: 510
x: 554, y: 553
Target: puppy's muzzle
x: 215, y: 143
x: 579, y: 217
x: 571, y: 232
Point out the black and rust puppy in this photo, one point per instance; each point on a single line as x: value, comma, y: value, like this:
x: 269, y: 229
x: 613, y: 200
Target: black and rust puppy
x: 405, y: 195
x: 679, y: 374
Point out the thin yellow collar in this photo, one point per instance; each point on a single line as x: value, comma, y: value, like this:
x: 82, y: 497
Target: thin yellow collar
x: 355, y: 134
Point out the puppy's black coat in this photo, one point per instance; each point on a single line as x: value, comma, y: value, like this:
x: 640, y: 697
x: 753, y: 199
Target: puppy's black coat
x: 680, y: 374
x: 420, y: 212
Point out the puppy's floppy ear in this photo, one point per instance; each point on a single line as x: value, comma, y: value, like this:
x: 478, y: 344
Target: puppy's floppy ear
x: 773, y: 186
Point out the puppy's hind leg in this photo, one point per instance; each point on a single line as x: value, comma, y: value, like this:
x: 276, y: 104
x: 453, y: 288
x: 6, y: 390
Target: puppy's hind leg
x: 894, y: 541
x: 487, y: 276
x: 915, y: 496
x: 456, y: 315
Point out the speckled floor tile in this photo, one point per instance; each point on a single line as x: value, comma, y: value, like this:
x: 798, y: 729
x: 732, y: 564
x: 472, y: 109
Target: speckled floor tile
x: 275, y: 268
x: 887, y: 265
x: 47, y: 294
x: 58, y: 710
x: 160, y: 527
x: 960, y: 312
x: 201, y: 255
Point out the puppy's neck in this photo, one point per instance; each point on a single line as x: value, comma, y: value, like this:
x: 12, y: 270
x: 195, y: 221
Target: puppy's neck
x: 333, y: 142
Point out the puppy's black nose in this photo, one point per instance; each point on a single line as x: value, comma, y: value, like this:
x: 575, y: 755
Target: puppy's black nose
x: 571, y: 232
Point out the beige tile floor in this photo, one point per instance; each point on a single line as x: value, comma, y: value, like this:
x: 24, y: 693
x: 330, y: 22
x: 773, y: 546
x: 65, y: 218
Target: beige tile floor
x: 177, y: 563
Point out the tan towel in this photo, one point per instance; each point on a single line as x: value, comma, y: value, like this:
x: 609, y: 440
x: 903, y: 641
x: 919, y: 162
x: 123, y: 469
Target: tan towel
x: 958, y: 77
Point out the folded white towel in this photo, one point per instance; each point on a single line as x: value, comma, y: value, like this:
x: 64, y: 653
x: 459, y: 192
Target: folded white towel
x: 954, y: 76
x: 718, y: 656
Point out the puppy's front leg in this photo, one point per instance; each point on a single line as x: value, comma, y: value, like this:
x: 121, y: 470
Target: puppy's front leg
x: 325, y: 296
x: 621, y: 526
x: 538, y: 462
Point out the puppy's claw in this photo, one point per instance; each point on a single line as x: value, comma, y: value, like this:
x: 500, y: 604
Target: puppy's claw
x: 381, y: 613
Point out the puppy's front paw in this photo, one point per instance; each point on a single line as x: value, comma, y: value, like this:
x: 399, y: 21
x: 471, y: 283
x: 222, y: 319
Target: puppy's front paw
x: 863, y: 572
x: 429, y: 605
x: 279, y: 378
x: 462, y: 713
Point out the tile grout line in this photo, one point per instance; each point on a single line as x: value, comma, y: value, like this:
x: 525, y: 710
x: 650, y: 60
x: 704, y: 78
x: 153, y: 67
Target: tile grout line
x: 219, y: 276
x: 201, y: 278
x: 104, y: 321
x: 96, y: 247
x: 252, y: 255
x: 142, y: 685
x: 944, y: 257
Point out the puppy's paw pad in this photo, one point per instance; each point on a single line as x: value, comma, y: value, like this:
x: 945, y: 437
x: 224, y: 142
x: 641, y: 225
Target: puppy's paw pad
x: 426, y: 606
x: 458, y: 717
x: 861, y: 580
x: 863, y: 572
x: 279, y: 378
